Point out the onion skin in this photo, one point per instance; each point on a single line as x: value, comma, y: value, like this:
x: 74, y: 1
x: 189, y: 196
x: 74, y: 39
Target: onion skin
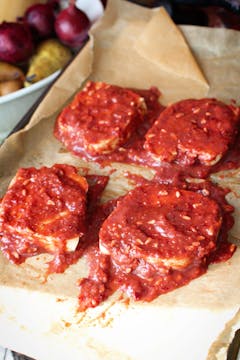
x: 41, y: 17
x: 16, y: 43
x: 71, y: 26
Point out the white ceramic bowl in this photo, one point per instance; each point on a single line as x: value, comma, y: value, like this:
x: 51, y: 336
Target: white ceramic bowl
x: 15, y: 105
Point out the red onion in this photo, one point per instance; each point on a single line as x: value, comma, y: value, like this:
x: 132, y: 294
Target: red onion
x: 16, y: 43
x: 41, y: 19
x: 71, y: 26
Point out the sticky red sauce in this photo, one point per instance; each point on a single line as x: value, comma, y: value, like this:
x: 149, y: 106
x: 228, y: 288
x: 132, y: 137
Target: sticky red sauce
x: 195, y: 147
x: 94, y: 218
x: 224, y: 249
x: 231, y: 160
x: 97, y: 286
x: 204, y: 139
x: 193, y: 132
x: 68, y: 125
x: 125, y: 265
x: 42, y: 210
x: 157, y: 223
x: 45, y: 208
x: 100, y: 118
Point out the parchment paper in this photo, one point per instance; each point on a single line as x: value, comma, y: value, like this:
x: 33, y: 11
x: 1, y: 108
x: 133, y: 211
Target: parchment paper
x: 136, y: 47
